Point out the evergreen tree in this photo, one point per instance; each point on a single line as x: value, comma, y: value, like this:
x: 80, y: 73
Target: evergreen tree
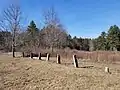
x: 69, y: 42
x: 113, y: 38
x: 32, y: 37
x: 32, y: 29
x: 101, y: 42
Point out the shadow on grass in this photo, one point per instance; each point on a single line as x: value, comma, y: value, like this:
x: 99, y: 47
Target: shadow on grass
x: 86, y: 67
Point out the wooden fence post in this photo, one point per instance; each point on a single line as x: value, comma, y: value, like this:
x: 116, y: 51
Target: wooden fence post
x: 107, y: 70
x: 75, y: 61
x: 48, y: 56
x: 58, y: 59
x: 39, y: 56
x: 23, y: 54
x: 31, y: 55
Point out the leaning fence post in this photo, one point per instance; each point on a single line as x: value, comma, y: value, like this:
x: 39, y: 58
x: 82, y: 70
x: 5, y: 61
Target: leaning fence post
x: 23, y: 54
x: 31, y: 55
x: 39, y: 56
x: 48, y: 56
x: 75, y: 61
x: 58, y: 59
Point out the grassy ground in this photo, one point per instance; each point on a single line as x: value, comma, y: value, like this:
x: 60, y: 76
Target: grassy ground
x: 28, y: 74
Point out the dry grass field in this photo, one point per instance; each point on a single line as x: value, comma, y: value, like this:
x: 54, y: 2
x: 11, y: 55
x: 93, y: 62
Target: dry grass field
x: 28, y: 74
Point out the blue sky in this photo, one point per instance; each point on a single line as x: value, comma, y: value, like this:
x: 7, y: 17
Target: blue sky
x: 82, y: 18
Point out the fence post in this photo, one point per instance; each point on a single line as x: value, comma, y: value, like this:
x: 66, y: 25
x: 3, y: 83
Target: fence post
x: 107, y: 70
x: 31, y: 55
x: 58, y: 59
x: 39, y: 56
x: 23, y: 54
x: 48, y: 56
x: 75, y: 61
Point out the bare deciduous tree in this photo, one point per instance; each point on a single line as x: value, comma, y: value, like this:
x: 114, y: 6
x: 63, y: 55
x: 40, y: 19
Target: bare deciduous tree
x: 50, y: 17
x: 54, y: 34
x: 10, y: 21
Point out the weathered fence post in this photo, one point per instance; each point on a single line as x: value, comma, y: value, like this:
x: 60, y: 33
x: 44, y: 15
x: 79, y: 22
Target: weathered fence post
x: 107, y: 70
x: 75, y: 61
x: 48, y: 56
x: 31, y: 55
x: 58, y: 59
x: 23, y: 54
x: 39, y: 56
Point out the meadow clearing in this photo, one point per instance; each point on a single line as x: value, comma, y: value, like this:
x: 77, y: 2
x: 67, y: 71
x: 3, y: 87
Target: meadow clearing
x: 29, y: 74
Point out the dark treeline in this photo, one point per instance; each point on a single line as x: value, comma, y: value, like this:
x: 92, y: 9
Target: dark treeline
x: 107, y: 41
x: 49, y: 37
x: 78, y: 43
x: 34, y: 38
x: 5, y: 41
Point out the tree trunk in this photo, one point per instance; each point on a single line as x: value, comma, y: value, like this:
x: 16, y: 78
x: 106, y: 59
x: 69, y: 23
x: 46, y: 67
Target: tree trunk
x: 51, y: 49
x: 13, y: 50
x: 13, y: 43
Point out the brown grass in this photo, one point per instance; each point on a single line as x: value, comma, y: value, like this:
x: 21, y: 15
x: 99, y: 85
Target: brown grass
x: 29, y: 74
x: 96, y: 56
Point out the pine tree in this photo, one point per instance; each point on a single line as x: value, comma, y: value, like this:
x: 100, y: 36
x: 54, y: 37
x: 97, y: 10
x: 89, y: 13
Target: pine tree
x: 32, y: 29
x: 101, y: 42
x: 113, y: 37
x: 32, y: 35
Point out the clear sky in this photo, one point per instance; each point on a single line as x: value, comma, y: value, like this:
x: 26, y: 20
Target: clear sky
x: 82, y: 18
